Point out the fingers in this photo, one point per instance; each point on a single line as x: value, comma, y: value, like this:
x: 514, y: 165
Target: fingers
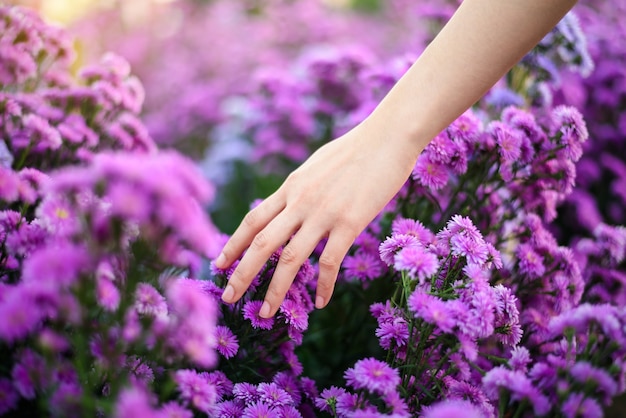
x: 291, y: 259
x: 251, y: 225
x: 262, y: 246
x: 336, y: 248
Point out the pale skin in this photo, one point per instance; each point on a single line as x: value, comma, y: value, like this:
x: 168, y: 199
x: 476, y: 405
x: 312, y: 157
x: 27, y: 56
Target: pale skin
x: 341, y: 188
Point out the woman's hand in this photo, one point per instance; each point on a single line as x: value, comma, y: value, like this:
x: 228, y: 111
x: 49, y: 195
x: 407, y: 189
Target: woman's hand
x: 343, y: 186
x: 335, y: 194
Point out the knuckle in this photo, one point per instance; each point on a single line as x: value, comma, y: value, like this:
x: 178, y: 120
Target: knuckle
x: 260, y: 241
x: 289, y: 255
x: 292, y: 177
x: 349, y: 228
x: 251, y: 218
x: 329, y: 262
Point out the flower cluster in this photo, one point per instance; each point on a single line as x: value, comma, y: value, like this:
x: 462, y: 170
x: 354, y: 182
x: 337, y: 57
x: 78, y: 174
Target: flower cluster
x: 183, y: 113
x: 479, y: 305
x: 99, y: 234
x: 473, y: 315
x: 244, y: 338
x: 599, y: 197
x: 375, y: 392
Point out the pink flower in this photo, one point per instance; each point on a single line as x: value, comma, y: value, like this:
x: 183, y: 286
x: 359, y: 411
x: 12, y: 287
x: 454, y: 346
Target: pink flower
x: 374, y: 375
x: 418, y: 262
x: 227, y: 344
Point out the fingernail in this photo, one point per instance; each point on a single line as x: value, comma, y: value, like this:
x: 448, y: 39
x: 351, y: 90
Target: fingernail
x: 265, y: 310
x: 319, y: 302
x: 228, y: 294
x: 221, y: 259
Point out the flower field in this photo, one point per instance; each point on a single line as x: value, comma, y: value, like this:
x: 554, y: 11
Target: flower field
x: 492, y: 285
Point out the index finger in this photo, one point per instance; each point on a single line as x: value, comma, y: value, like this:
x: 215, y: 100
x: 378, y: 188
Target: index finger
x: 250, y: 226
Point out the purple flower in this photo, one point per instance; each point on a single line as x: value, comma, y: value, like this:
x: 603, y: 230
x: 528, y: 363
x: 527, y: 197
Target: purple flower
x: 108, y: 294
x: 173, y: 409
x: 29, y: 373
x: 251, y: 312
x: 45, y: 135
x: 140, y: 371
x: 328, y: 398
x: 10, y: 183
x: 361, y: 266
x: 195, y: 389
x: 588, y: 375
x: 294, y: 314
x: 66, y: 398
x: 460, y: 225
x: 441, y: 149
x: 228, y: 409
x: 148, y: 301
x: 432, y: 310
x: 404, y: 226
x: 290, y: 358
x: 581, y: 317
x: 613, y: 240
x: 509, y: 141
x: 418, y: 262
x: 519, y: 387
x: 8, y: 396
x: 393, y: 334
x: 466, y: 127
x: 572, y: 129
x: 28, y: 238
x: 245, y: 392
x: 273, y: 395
x: 288, y: 382
x: 507, y: 324
x: 392, y: 245
x: 474, y: 250
x: 373, y: 375
x: 367, y: 241
x: 429, y: 173
x: 60, y: 263
x: 20, y: 315
x: 195, y: 337
x: 530, y: 263
x: 52, y: 341
x: 520, y: 358
x: 452, y: 409
x: 289, y: 411
x: 459, y: 390
x: 56, y: 215
x: 134, y: 402
x: 346, y: 404
x: 309, y: 389
x: 578, y: 405
x: 223, y: 386
x: 160, y: 192
x: 525, y: 122
x: 227, y: 344
x: 260, y: 410
x: 477, y: 308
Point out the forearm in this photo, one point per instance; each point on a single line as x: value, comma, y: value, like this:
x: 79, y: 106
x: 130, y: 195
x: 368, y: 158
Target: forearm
x: 481, y: 42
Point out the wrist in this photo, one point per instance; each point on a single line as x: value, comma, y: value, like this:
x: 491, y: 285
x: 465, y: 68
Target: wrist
x: 395, y: 127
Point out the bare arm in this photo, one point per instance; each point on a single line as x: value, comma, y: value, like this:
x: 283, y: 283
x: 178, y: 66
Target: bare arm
x: 345, y: 184
x: 481, y: 42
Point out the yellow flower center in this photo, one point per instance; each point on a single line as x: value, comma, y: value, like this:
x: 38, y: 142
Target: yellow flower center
x: 61, y: 213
